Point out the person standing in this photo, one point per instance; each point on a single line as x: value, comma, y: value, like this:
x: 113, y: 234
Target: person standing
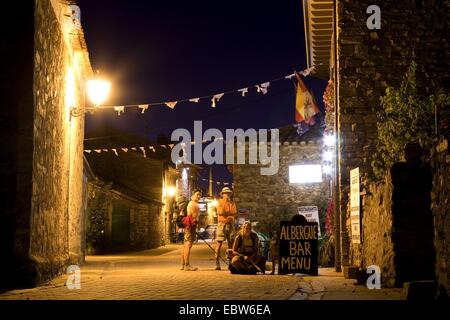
x: 226, y: 211
x: 190, y: 223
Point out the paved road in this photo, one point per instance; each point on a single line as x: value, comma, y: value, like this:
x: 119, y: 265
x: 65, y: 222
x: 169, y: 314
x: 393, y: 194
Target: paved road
x: 155, y: 274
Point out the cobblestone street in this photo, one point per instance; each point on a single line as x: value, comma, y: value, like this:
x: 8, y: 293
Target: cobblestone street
x: 155, y: 274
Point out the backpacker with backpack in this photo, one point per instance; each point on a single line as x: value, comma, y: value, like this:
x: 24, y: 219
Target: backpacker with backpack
x: 182, y: 212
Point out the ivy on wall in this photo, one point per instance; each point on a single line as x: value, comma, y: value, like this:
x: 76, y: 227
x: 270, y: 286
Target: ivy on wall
x: 405, y: 116
x: 96, y: 221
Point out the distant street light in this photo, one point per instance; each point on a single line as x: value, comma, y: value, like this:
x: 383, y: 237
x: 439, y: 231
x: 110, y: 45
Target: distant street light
x: 328, y: 156
x: 214, y: 203
x: 171, y: 191
x: 329, y: 140
x: 327, y: 169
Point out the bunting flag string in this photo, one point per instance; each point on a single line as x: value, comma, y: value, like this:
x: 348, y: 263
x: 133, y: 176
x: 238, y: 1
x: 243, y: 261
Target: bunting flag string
x: 144, y: 153
x: 216, y: 182
x: 142, y: 149
x: 260, y: 88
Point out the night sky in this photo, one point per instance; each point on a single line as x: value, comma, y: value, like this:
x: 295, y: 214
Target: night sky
x: 154, y: 51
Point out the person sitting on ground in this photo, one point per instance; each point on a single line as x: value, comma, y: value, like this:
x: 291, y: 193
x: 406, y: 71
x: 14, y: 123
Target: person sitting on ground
x: 246, y: 258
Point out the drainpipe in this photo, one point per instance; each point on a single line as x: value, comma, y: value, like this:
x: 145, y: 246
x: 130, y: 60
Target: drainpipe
x: 336, y: 199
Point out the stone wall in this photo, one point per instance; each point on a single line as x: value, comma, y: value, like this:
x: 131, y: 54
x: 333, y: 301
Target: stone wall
x: 377, y: 247
x: 272, y: 198
x: 44, y: 214
x: 441, y: 208
x: 397, y: 226
x: 371, y: 60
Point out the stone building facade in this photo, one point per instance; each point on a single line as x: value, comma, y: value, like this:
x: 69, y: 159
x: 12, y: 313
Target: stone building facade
x: 119, y: 221
x: 368, y: 61
x: 46, y: 67
x: 271, y: 198
x: 128, y: 206
x: 363, y: 63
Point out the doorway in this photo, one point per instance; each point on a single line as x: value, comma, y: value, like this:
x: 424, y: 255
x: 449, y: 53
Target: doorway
x: 120, y: 225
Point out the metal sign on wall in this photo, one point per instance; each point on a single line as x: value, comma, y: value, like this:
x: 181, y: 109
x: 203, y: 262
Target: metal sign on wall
x: 355, y: 206
x: 311, y: 213
x: 298, y: 246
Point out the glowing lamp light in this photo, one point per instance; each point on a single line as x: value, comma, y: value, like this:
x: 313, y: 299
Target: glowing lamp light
x: 171, y: 191
x: 98, y: 91
x: 328, y: 156
x: 327, y: 169
x: 329, y: 140
x: 214, y: 203
x: 305, y: 173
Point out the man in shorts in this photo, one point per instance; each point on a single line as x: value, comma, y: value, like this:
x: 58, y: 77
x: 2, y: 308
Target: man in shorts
x: 226, y: 211
x: 190, y: 232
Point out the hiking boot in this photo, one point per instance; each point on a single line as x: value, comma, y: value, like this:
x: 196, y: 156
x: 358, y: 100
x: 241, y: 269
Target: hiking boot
x: 217, y: 265
x: 190, y: 268
x: 182, y: 267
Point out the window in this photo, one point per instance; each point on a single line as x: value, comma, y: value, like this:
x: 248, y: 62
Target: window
x: 305, y: 173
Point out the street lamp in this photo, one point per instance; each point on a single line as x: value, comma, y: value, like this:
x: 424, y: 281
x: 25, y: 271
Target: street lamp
x: 98, y: 91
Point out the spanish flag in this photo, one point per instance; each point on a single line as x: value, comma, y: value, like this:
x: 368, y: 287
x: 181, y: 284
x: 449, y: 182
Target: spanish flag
x: 305, y: 106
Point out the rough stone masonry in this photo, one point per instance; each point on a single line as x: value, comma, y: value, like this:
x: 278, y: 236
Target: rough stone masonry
x: 42, y: 219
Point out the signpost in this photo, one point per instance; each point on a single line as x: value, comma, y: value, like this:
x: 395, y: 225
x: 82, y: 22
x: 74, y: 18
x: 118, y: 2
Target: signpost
x: 311, y: 213
x: 298, y: 246
x: 355, y: 205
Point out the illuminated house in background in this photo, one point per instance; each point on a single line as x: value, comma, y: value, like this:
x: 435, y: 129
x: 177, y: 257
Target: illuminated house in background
x: 130, y: 205
x: 271, y: 198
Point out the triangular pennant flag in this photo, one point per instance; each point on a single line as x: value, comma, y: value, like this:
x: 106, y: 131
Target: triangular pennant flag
x: 263, y: 87
x: 143, y: 107
x: 307, y: 71
x: 171, y: 145
x: 171, y: 104
x: 143, y: 151
x: 218, y: 183
x: 98, y: 151
x: 88, y: 151
x: 215, y: 99
x: 290, y: 76
x: 243, y: 91
x: 225, y: 183
x: 153, y: 149
x: 119, y: 110
x: 305, y: 106
x: 125, y: 149
x: 115, y: 151
x: 106, y: 150
x: 133, y: 148
x: 194, y: 100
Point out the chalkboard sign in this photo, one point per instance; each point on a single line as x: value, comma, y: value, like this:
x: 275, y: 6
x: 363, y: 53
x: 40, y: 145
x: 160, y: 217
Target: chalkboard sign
x: 298, y: 246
